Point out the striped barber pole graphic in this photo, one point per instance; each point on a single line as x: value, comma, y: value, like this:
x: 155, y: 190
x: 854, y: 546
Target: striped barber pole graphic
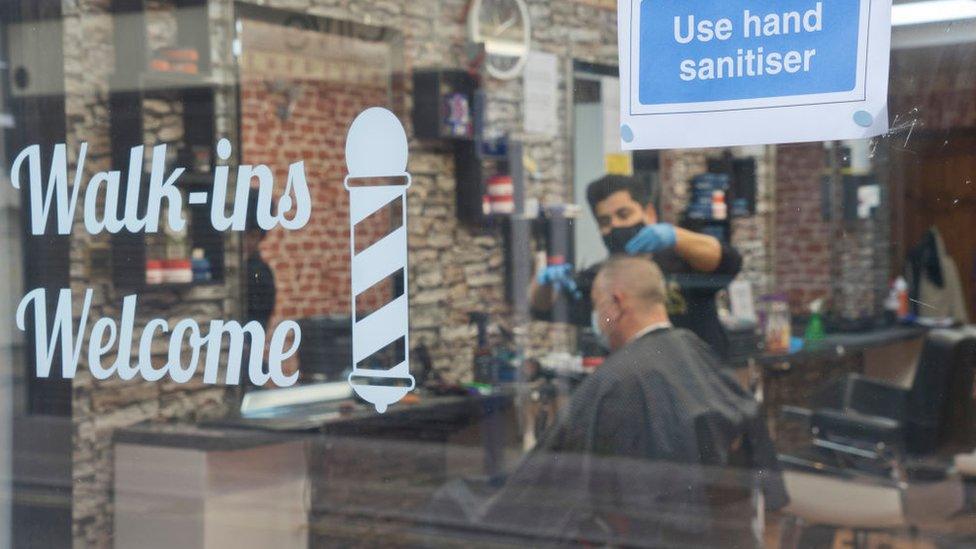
x: 376, y: 155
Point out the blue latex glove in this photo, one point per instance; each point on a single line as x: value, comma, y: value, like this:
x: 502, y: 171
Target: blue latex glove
x: 559, y: 277
x: 652, y: 238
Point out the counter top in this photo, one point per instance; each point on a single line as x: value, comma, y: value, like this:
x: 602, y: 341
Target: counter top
x: 841, y: 344
x: 207, y: 439
x: 236, y: 433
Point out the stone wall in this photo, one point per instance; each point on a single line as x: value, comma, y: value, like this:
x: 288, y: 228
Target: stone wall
x: 677, y: 169
x: 99, y: 407
x: 753, y: 236
x: 860, y: 257
x: 454, y: 270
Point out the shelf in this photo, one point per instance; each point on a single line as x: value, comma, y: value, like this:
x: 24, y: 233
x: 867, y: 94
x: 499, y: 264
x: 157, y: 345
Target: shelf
x: 131, y: 84
x: 195, y: 179
x: 169, y: 286
x: 175, y: 80
x: 431, y: 90
x: 160, y: 82
x: 497, y: 218
x: 709, y: 221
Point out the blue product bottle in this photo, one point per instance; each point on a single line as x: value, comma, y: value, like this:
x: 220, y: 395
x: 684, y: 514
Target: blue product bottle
x: 200, y: 265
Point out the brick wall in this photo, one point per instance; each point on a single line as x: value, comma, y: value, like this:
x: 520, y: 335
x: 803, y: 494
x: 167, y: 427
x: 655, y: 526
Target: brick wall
x: 311, y: 266
x: 802, y: 237
x: 844, y: 261
x: 677, y: 169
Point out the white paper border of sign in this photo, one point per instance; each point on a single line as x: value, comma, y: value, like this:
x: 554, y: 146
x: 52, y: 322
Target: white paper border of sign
x: 856, y: 94
x: 768, y: 120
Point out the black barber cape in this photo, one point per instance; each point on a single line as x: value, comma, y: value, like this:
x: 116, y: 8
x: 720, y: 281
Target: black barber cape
x: 261, y: 292
x: 658, y: 447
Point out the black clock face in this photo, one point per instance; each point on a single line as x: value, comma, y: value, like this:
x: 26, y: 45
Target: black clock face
x: 502, y: 25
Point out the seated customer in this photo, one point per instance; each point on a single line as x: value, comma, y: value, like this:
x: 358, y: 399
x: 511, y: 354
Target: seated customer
x: 658, y: 447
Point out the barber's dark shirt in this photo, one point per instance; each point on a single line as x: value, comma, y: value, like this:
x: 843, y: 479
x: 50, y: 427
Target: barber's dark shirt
x: 691, y: 295
x: 261, y: 291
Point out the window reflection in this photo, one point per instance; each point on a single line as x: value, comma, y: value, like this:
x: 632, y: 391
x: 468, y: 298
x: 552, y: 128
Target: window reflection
x: 808, y: 378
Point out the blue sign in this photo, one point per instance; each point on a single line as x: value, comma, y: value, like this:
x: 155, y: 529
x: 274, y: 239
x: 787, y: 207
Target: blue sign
x: 721, y: 73
x: 694, y: 51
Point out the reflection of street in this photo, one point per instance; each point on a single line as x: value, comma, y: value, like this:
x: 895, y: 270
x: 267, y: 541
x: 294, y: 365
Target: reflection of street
x: 371, y: 480
x: 6, y: 416
x: 10, y: 289
x: 35, y: 462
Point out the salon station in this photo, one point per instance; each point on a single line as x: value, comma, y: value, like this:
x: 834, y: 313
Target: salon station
x: 399, y: 309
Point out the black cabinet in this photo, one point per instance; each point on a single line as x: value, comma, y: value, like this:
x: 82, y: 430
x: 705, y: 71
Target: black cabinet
x: 448, y: 106
x: 444, y: 104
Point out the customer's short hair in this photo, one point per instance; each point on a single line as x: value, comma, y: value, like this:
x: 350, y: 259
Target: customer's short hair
x: 639, y: 277
x: 599, y: 190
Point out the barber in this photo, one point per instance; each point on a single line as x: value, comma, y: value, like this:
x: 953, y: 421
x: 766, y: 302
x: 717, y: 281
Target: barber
x: 695, y: 265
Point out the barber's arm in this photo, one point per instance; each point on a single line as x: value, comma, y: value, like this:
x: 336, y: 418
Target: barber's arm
x: 703, y: 252
x: 541, y: 297
x: 548, y: 281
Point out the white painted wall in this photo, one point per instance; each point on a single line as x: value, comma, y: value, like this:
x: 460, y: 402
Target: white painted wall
x: 177, y: 497
x: 588, y: 165
x: 595, y: 136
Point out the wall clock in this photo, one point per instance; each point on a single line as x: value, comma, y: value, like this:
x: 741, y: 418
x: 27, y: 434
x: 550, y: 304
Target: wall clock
x: 504, y: 28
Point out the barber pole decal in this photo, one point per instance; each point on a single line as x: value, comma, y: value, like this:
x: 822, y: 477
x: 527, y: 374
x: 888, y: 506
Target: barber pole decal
x: 376, y: 156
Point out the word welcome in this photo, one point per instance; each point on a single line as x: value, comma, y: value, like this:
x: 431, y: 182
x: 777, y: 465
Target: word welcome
x: 106, y: 335
x: 747, y: 61
x: 162, y: 188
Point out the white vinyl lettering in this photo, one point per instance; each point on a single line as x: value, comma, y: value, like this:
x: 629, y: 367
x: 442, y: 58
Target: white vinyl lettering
x: 106, y: 333
x: 105, y: 210
x: 106, y: 207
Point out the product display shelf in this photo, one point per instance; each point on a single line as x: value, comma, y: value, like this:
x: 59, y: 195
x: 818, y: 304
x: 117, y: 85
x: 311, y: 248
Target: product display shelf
x: 132, y: 85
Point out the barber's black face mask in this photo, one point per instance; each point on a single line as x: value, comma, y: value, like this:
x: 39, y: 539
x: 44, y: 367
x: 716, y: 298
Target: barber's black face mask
x: 620, y: 236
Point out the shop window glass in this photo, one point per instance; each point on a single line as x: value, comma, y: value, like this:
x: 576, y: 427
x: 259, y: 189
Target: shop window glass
x: 320, y: 273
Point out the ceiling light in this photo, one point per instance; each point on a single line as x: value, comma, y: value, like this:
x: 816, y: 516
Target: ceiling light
x: 932, y: 11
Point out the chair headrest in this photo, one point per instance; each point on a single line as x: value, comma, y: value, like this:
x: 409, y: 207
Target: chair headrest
x: 942, y: 352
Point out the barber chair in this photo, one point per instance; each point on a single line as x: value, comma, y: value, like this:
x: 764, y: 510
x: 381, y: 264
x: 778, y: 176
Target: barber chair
x: 869, y: 467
